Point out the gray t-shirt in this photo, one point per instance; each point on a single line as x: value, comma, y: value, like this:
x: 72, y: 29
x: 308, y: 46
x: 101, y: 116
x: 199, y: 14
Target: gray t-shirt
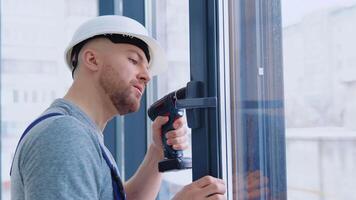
x: 61, y: 158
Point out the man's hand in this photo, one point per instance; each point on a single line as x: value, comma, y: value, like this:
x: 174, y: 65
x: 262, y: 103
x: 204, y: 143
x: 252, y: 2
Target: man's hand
x: 207, y: 187
x: 146, y: 182
x: 256, y: 185
x: 177, y: 138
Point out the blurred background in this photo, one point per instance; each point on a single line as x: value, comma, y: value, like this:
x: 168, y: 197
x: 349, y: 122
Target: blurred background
x: 320, y: 98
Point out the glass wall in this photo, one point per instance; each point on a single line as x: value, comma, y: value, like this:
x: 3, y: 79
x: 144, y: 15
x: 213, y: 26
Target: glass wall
x: 320, y: 93
x: 34, y: 34
x: 169, y: 23
x: 257, y: 110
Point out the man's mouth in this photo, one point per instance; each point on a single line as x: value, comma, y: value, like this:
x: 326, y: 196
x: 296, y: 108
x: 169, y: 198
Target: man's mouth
x: 139, y: 88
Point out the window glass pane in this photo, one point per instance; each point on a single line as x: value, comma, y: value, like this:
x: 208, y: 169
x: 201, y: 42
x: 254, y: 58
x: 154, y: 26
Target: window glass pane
x: 33, y: 73
x: 320, y: 93
x: 170, y: 25
x: 257, y: 125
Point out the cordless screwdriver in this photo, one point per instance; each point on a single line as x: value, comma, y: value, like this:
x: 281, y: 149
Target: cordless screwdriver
x: 166, y: 106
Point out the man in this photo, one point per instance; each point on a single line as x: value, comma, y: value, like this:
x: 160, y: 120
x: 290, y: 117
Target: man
x: 62, y: 155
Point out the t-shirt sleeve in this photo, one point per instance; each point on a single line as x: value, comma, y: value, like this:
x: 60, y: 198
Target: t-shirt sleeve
x: 62, y: 162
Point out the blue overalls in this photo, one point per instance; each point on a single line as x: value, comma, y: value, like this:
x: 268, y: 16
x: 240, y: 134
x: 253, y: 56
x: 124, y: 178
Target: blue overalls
x: 119, y: 192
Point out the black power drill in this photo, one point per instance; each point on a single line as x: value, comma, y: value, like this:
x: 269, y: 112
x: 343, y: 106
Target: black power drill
x: 166, y: 106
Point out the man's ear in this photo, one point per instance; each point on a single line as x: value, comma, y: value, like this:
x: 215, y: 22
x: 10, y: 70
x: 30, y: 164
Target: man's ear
x: 90, y: 59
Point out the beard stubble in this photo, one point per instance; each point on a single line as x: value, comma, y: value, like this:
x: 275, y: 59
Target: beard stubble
x: 120, y: 92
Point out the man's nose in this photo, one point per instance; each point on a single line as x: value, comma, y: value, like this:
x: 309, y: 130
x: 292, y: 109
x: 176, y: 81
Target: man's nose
x: 144, y: 75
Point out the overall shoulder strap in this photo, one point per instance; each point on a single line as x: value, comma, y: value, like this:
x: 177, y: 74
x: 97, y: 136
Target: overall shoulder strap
x: 117, y: 184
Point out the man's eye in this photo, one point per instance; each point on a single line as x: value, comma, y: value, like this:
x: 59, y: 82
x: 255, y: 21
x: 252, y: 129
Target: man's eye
x: 133, y: 61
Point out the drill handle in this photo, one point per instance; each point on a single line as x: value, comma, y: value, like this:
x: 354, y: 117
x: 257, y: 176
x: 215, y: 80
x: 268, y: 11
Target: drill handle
x: 169, y: 152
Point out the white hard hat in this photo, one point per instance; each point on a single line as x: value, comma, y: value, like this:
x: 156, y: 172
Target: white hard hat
x: 115, y: 24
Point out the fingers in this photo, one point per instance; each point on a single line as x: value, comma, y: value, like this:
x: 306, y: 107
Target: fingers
x: 256, y: 180
x: 178, y: 138
x: 206, y: 187
x: 176, y: 133
x: 178, y: 143
x: 216, y: 197
x: 211, y: 187
x: 253, y: 180
x: 207, y: 180
x: 214, y: 188
x: 178, y: 123
x: 159, y: 122
x: 204, y: 181
x: 256, y: 185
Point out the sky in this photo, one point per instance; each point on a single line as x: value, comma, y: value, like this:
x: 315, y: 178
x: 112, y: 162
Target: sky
x: 294, y: 10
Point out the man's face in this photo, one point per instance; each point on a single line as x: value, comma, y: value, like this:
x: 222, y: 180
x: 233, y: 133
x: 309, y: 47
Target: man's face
x: 124, y: 76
